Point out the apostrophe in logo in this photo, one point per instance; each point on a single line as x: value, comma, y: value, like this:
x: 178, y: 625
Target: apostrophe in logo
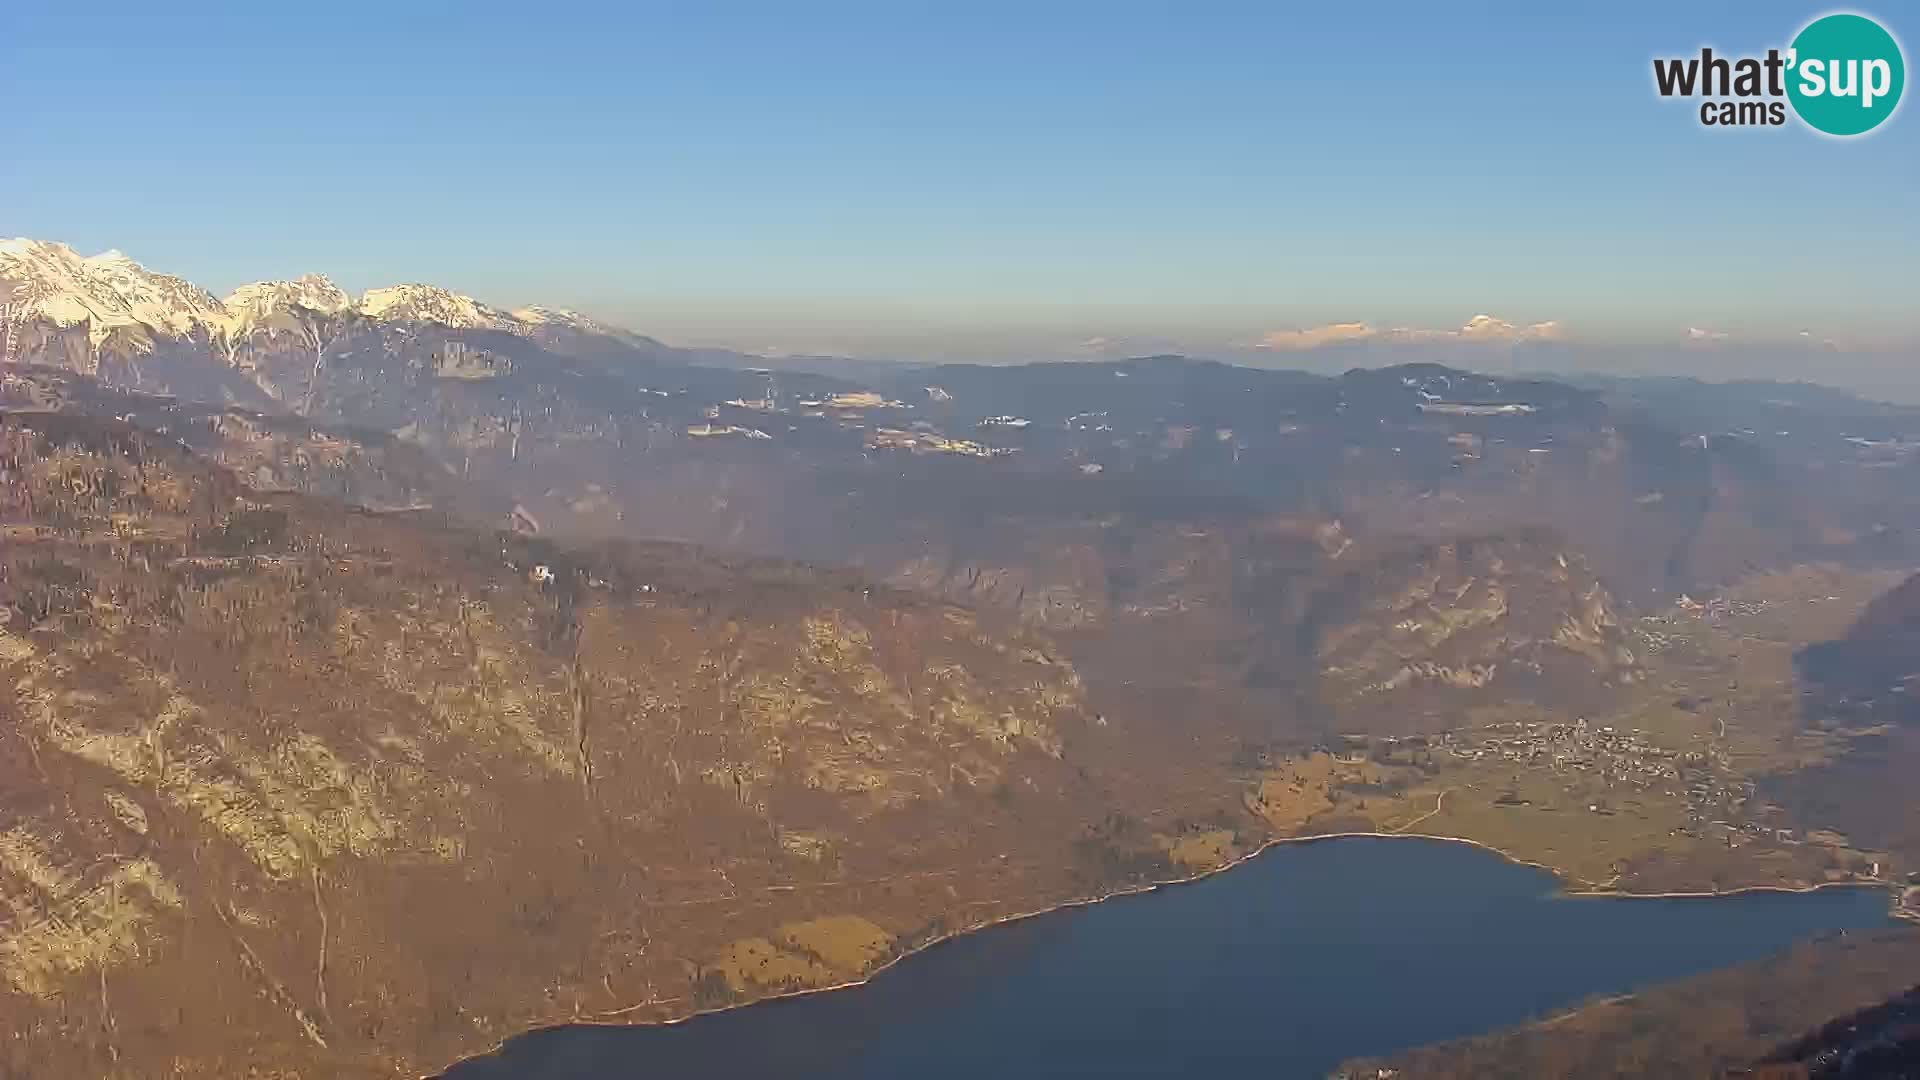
x: 1845, y: 74
x: 1842, y: 75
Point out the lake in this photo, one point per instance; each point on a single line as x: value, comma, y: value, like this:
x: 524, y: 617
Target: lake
x: 1283, y: 967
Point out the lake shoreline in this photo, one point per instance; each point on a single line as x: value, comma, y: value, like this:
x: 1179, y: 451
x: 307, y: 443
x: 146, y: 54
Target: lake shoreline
x: 606, y: 1018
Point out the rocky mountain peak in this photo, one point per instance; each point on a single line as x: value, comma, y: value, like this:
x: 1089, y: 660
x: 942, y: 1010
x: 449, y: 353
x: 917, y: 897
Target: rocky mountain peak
x: 314, y: 291
x: 416, y: 302
x: 52, y: 282
x: 125, y: 308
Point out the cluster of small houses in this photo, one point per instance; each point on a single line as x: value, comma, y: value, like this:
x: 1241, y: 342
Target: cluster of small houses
x: 1616, y: 756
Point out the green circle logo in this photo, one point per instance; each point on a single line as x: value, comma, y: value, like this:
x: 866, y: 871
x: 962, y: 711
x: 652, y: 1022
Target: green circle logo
x: 1845, y: 74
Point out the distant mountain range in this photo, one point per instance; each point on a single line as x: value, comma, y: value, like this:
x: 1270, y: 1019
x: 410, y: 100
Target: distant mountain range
x: 109, y: 316
x: 112, y: 295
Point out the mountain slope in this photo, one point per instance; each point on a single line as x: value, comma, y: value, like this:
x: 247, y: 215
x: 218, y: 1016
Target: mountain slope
x: 382, y: 791
x: 1711, y: 1025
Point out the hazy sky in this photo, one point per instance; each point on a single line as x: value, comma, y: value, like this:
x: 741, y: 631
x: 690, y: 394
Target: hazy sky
x: 1003, y: 181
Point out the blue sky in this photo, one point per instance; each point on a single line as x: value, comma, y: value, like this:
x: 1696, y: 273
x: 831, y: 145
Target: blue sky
x: 997, y: 181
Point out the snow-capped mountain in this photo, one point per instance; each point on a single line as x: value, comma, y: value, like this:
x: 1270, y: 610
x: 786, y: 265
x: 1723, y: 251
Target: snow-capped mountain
x: 568, y: 331
x: 256, y: 303
x: 304, y: 345
x: 546, y: 316
x: 50, y: 282
x: 52, y: 285
x: 432, y: 304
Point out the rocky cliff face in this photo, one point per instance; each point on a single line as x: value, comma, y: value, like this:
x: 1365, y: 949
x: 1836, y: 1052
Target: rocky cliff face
x: 1422, y: 629
x: 1380, y: 631
x: 382, y: 792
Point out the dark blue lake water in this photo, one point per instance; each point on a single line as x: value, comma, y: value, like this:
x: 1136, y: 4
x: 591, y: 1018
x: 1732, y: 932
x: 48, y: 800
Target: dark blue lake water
x: 1305, y: 956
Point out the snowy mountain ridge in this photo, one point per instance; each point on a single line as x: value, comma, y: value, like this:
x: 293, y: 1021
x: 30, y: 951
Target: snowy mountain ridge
x: 108, y: 291
x: 50, y: 282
